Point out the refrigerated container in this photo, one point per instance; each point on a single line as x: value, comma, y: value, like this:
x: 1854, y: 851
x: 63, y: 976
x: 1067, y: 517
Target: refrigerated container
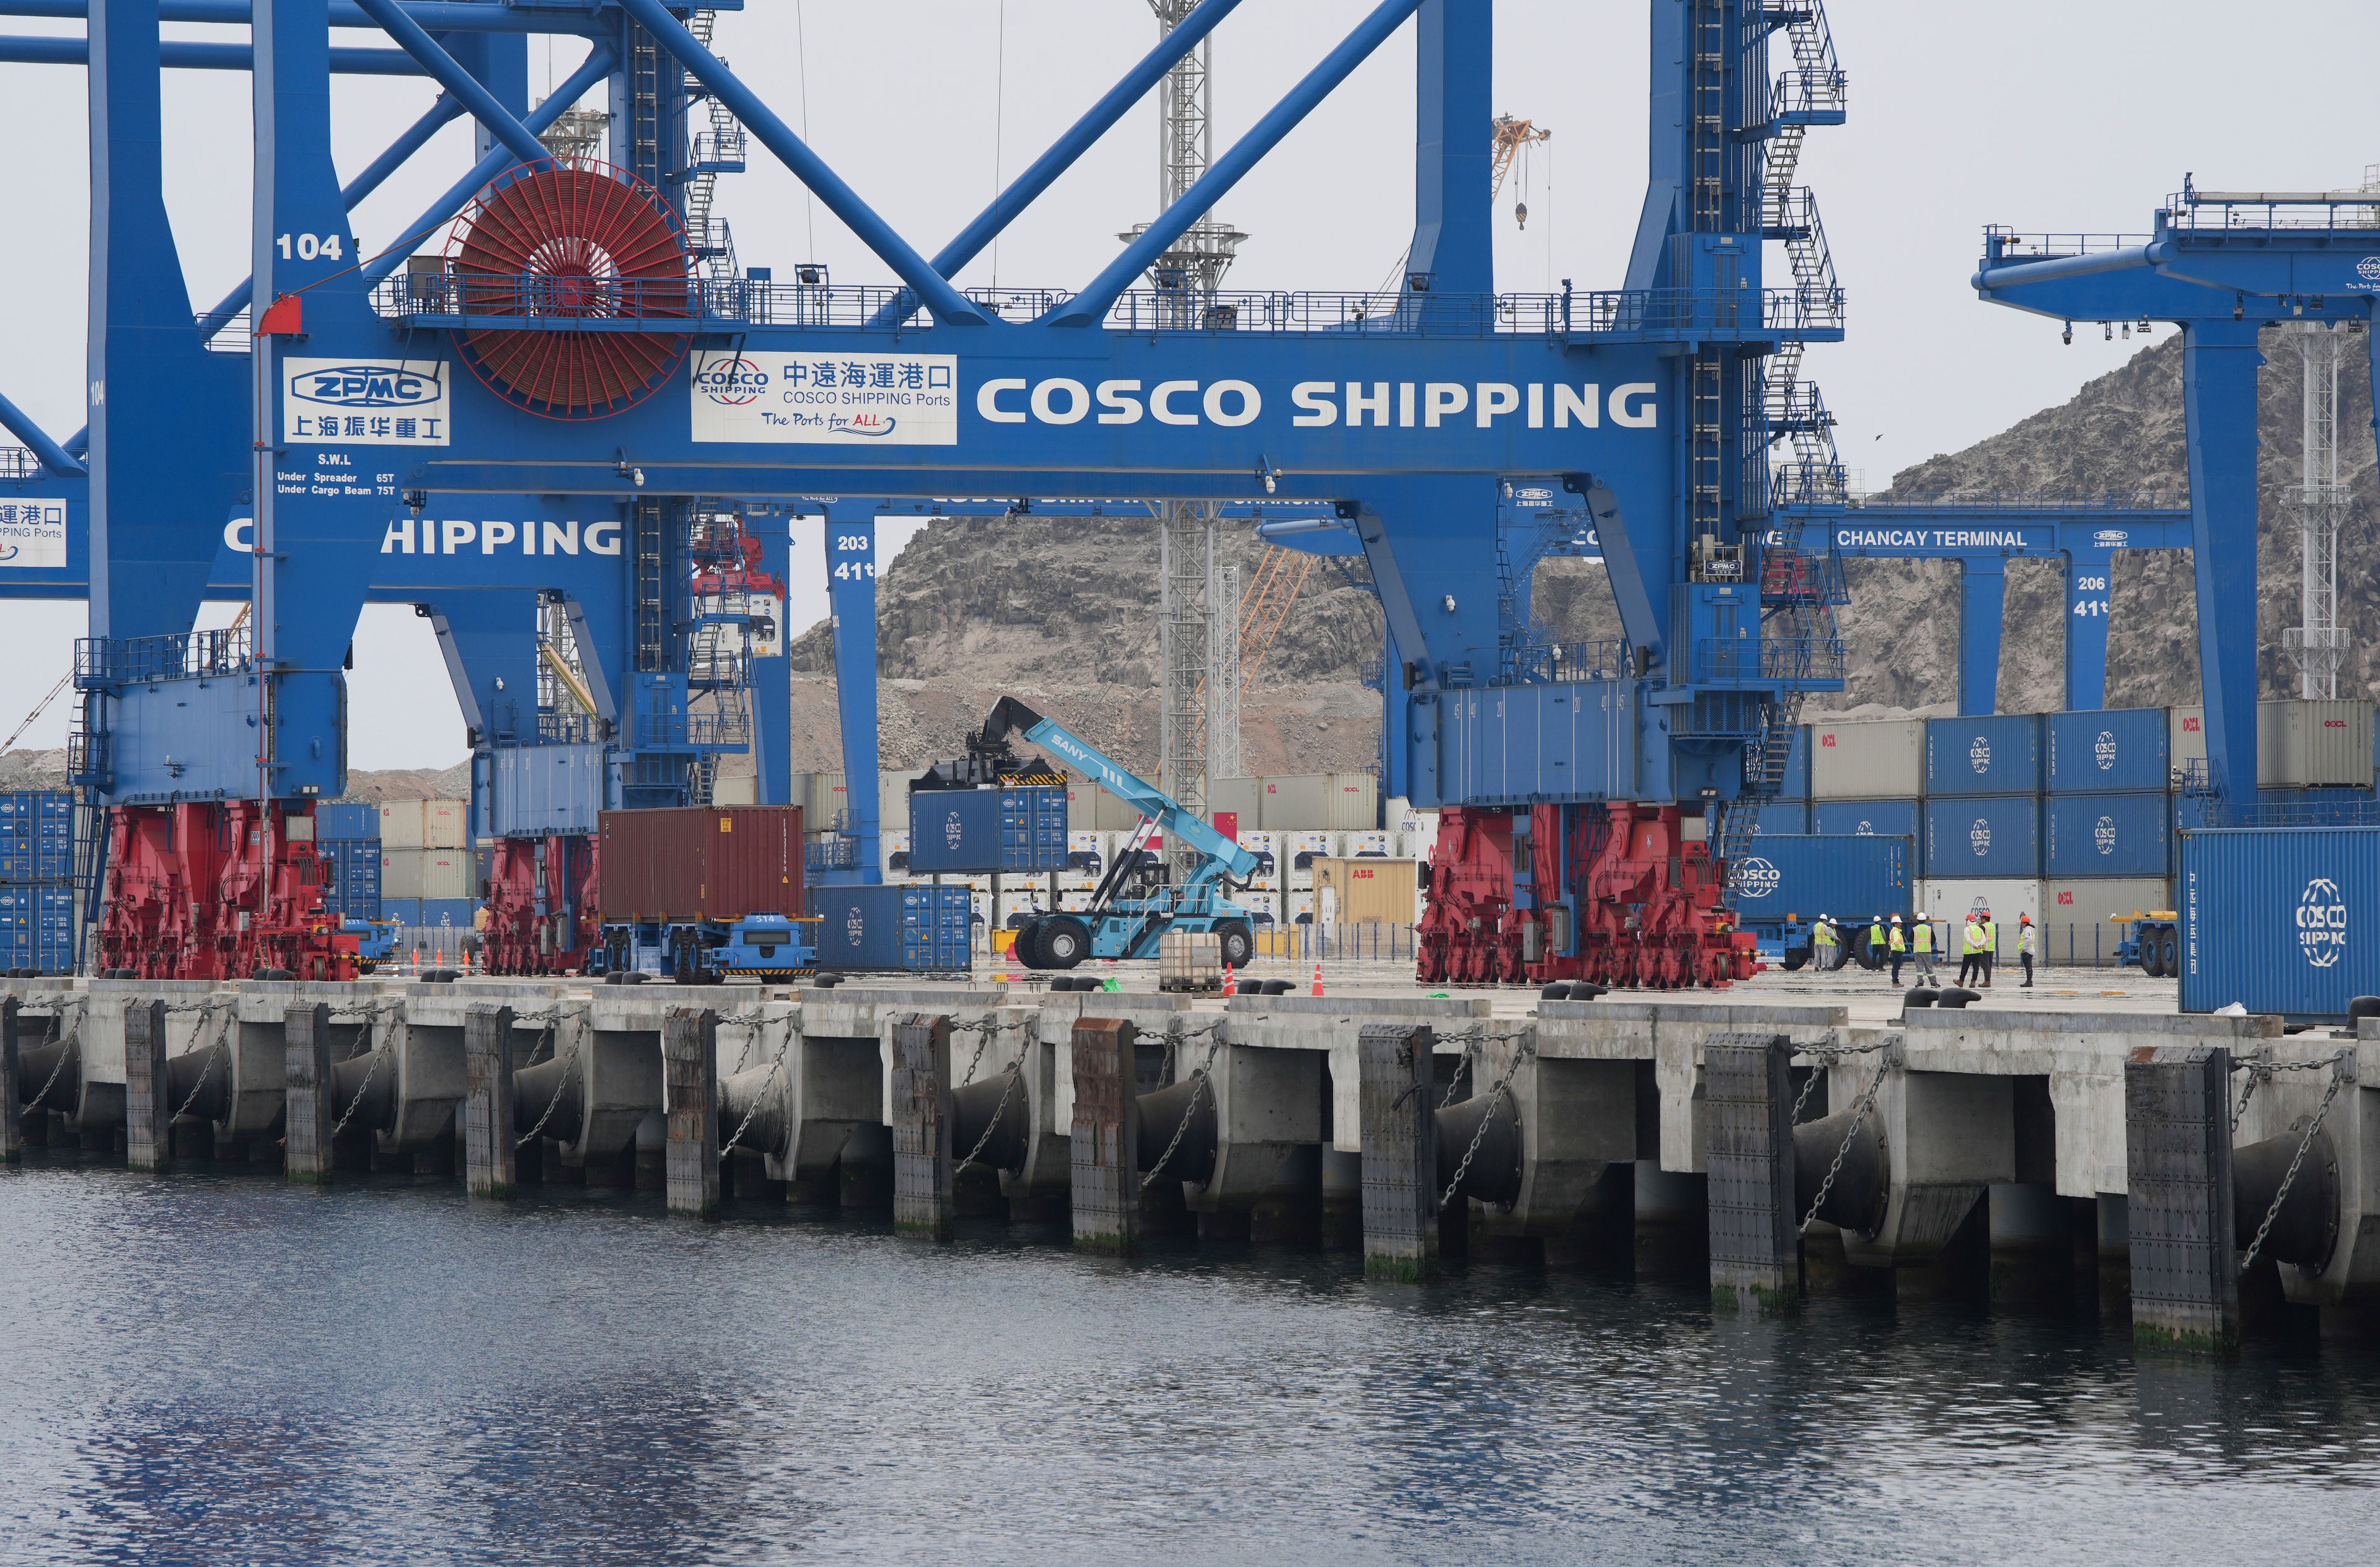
x: 1877, y: 758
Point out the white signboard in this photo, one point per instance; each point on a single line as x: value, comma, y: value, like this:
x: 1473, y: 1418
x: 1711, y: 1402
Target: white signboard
x: 366, y: 402
x: 33, y: 534
x: 827, y: 399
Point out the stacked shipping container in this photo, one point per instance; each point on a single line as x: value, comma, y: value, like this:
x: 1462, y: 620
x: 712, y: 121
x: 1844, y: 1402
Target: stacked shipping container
x: 36, y: 882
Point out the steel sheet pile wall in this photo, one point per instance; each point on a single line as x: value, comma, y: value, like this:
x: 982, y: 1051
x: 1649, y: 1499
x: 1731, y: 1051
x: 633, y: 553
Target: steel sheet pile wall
x: 36, y: 876
x: 714, y: 862
x: 2279, y: 920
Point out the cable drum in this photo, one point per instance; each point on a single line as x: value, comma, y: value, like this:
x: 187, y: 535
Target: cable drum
x: 571, y: 240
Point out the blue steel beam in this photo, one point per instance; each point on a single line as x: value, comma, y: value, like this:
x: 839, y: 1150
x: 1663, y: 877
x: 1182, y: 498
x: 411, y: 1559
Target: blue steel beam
x: 598, y: 66
x: 498, y: 121
x: 439, y: 16
x: 1087, y: 307
x: 947, y: 303
x: 851, y: 599
x: 179, y: 55
x: 37, y: 440
x: 1174, y: 46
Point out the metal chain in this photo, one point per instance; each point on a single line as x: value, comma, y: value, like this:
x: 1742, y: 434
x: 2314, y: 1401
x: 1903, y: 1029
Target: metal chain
x: 1016, y: 1076
x: 361, y: 1088
x: 73, y: 1047
x: 1495, y: 1096
x: 774, y: 1068
x: 1454, y: 1083
x: 2298, y: 1159
x: 1859, y: 1119
x: 560, y: 1082
x: 206, y: 1069
x: 1198, y: 1086
x: 1827, y: 1056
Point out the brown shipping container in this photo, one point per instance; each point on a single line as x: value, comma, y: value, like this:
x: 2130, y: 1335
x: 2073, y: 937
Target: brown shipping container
x: 717, y: 862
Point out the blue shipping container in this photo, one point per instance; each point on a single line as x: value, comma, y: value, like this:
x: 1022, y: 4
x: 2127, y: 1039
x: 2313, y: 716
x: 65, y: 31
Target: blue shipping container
x: 892, y: 929
x: 405, y: 912
x: 1807, y: 876
x: 2279, y: 920
x: 1985, y: 755
x: 455, y: 912
x: 37, y: 928
x: 1797, y: 766
x: 1780, y: 818
x: 2107, y: 834
x: 2123, y: 751
x: 36, y: 835
x: 973, y: 831
x: 1987, y: 836
x: 1874, y: 818
x: 544, y: 789
x: 355, y: 877
x: 346, y: 823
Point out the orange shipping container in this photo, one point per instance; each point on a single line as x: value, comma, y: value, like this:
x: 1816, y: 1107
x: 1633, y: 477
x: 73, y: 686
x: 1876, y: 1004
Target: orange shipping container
x: 1368, y: 891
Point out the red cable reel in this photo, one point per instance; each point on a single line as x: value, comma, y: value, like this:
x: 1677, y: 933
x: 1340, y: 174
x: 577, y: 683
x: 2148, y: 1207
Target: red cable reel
x: 571, y: 240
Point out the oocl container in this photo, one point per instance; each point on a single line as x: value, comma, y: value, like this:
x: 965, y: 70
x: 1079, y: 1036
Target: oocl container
x: 1874, y: 759
x: 2121, y: 751
x: 719, y: 862
x: 2313, y: 745
x: 1845, y: 878
x: 2280, y: 919
x: 2107, y: 834
x: 1995, y: 754
x: 1987, y: 835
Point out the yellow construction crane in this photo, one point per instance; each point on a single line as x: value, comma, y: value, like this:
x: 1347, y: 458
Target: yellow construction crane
x: 1263, y: 604
x: 1513, y: 137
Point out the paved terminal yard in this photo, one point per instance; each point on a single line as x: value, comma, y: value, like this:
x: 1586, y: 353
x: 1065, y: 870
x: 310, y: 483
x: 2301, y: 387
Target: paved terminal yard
x: 2071, y: 1129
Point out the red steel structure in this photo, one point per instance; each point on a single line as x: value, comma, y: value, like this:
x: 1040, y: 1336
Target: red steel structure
x: 219, y: 891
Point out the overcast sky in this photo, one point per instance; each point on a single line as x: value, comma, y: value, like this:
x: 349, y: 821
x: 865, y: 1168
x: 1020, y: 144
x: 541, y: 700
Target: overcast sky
x: 2058, y: 115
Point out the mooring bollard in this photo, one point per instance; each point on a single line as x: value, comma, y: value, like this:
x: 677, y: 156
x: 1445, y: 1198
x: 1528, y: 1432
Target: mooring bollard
x: 1105, y: 1147
x: 12, y: 1131
x: 147, y: 1116
x: 1756, y: 1242
x: 306, y: 1075
x: 690, y: 1081
x: 1397, y: 1073
x: 2178, y: 1170
x: 921, y: 1126
x: 488, y: 1136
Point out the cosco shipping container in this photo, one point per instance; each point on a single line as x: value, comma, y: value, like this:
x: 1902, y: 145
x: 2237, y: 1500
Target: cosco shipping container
x: 892, y: 929
x: 1844, y: 878
x: 974, y: 831
x: 1874, y: 818
x: 2107, y: 834
x: 702, y: 863
x: 1779, y: 818
x: 1998, y: 754
x: 2123, y: 751
x: 2279, y: 920
x: 1987, y: 835
x: 343, y: 823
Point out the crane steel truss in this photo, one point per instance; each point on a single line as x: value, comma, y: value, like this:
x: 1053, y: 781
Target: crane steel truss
x: 1646, y: 400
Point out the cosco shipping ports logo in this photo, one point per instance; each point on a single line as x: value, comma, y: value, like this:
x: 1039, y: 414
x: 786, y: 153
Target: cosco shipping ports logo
x: 2322, y: 923
x: 731, y: 383
x: 2367, y: 274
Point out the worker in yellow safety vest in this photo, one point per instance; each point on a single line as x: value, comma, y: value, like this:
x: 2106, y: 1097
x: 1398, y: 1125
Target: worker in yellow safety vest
x: 1991, y: 946
x: 1922, y: 948
x: 1897, y: 947
x: 1971, y: 949
x: 1822, y: 946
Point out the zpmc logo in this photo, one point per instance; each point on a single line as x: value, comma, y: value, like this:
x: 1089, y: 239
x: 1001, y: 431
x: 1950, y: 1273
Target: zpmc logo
x: 1979, y: 755
x: 2103, y: 749
x: 1759, y: 878
x: 2322, y: 923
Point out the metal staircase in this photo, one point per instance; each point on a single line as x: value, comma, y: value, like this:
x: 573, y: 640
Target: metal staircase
x: 712, y: 152
x: 1799, y: 588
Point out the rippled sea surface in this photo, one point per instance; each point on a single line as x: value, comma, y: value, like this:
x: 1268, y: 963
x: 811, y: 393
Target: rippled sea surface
x: 221, y: 1370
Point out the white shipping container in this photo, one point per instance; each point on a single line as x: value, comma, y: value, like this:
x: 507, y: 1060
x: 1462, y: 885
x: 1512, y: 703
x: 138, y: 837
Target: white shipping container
x: 1374, y: 844
x: 1264, y: 907
x: 1354, y: 802
x: 1266, y: 844
x: 2298, y: 744
x: 1243, y: 795
x: 445, y: 825
x: 1871, y: 759
x: 1950, y: 902
x: 2085, y: 920
x: 1300, y: 907
x: 1295, y: 803
x: 400, y: 827
x: 743, y: 790
x: 426, y: 873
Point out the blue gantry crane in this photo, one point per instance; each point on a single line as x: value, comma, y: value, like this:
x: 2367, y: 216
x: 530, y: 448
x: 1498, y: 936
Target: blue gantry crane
x: 575, y: 343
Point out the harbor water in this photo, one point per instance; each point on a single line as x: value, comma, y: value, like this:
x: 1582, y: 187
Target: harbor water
x: 218, y: 1368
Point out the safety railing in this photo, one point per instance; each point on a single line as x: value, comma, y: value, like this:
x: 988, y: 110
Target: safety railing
x: 1766, y: 660
x: 1811, y: 574
x: 1808, y: 97
x: 104, y: 661
x: 2004, y: 244
x: 718, y: 152
x: 16, y: 462
x: 1561, y: 662
x: 2034, y: 501
x: 2293, y: 212
x: 1808, y: 484
x: 832, y: 851
x: 2340, y: 808
x: 494, y: 301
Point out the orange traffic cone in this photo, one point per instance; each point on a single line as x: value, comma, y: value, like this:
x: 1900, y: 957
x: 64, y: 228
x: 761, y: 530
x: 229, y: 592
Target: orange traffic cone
x: 1227, y: 977
x: 1318, y: 976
